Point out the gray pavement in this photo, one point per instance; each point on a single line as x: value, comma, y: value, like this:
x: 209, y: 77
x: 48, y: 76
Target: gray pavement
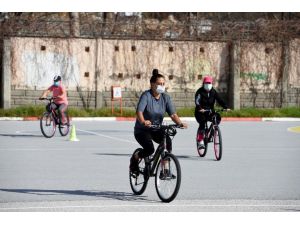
x: 259, y: 171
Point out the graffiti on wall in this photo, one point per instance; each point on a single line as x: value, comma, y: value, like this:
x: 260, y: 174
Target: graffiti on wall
x: 255, y: 76
x: 40, y: 69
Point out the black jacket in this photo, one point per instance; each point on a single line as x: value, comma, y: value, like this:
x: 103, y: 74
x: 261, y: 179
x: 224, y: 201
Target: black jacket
x: 206, y: 100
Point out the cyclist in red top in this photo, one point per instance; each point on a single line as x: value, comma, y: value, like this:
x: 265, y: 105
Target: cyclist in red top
x: 60, y: 97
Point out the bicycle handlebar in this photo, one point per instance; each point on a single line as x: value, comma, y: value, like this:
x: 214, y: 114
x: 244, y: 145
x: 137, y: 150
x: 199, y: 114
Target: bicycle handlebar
x: 219, y: 110
x: 49, y: 99
x: 158, y: 126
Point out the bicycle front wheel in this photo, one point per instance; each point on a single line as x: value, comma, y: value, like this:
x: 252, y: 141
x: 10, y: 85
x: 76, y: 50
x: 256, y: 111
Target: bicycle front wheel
x: 64, y: 129
x: 168, y: 178
x: 138, y: 181
x: 201, y: 151
x: 47, y: 125
x: 217, y: 143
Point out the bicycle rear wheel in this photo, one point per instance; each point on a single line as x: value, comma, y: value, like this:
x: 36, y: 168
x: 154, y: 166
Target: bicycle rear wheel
x: 217, y: 143
x: 168, y: 178
x: 64, y: 129
x: 139, y: 181
x: 48, y: 125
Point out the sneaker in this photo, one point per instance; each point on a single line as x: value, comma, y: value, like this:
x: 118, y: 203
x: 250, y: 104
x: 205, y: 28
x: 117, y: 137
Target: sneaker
x: 134, y: 165
x: 166, y: 174
x: 201, y: 145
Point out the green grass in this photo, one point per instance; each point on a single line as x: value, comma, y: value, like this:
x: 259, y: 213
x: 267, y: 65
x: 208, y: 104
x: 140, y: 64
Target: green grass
x: 25, y: 111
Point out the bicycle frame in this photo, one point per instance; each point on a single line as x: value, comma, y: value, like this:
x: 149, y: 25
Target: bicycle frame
x: 209, y: 131
x: 54, y: 113
x: 152, y: 163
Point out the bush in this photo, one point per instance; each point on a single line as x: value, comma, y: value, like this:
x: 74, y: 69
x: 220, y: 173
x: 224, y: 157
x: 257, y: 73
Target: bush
x: 24, y: 111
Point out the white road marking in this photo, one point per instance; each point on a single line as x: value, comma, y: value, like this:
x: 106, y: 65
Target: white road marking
x: 150, y: 205
x: 107, y: 136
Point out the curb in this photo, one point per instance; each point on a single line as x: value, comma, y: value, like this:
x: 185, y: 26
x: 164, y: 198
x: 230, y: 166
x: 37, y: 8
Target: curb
x: 186, y: 119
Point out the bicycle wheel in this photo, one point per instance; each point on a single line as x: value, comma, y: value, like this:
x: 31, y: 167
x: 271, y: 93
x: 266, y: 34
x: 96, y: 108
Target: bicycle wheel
x: 47, y: 124
x: 201, y: 151
x: 64, y: 129
x: 139, y: 181
x: 217, y: 143
x: 168, y: 178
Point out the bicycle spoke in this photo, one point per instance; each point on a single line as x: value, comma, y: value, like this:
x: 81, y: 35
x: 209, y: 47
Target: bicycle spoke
x: 138, y: 181
x: 47, y: 125
x: 168, y: 178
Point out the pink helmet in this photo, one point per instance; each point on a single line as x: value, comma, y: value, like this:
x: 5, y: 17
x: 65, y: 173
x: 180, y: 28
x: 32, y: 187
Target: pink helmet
x: 207, y: 79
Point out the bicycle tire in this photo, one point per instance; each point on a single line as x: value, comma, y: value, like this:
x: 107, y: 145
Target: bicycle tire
x: 162, y: 183
x: 64, y: 130
x: 138, y: 182
x: 52, y: 123
x: 217, y: 143
x: 201, y: 152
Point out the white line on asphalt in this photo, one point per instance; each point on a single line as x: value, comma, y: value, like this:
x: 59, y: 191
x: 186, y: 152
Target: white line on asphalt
x: 156, y: 205
x: 106, y: 136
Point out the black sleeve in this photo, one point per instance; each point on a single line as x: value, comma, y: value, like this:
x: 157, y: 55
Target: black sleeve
x: 220, y: 100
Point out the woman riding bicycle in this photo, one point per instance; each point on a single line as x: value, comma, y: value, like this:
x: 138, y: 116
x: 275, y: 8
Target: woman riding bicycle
x: 150, y: 110
x: 205, y: 99
x: 60, y: 97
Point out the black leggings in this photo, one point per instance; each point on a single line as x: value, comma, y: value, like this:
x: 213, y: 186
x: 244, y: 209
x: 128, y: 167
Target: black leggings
x: 202, y: 118
x: 144, y: 138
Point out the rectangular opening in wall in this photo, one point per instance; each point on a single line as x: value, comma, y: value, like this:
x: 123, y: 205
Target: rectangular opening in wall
x: 87, y: 49
x: 116, y: 48
x: 43, y: 48
x: 171, y: 77
x: 133, y: 48
x: 86, y: 74
x: 120, y: 75
x: 200, y: 77
x: 138, y: 76
x: 171, y: 49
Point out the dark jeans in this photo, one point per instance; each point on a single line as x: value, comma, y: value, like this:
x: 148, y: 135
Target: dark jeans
x: 144, y: 138
x: 61, y: 109
x: 202, y: 118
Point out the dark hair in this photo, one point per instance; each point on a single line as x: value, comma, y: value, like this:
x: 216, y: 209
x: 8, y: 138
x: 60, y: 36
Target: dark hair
x: 155, y: 76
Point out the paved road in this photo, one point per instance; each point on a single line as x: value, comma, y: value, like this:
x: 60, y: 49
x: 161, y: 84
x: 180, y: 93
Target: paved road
x: 259, y: 171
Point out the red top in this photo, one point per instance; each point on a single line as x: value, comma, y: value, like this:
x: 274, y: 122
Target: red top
x: 57, y: 91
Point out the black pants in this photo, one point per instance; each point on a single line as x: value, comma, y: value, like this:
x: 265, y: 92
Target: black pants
x: 144, y: 138
x: 202, y: 118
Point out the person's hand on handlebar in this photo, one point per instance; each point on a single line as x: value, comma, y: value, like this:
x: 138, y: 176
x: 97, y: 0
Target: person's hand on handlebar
x: 183, y: 126
x: 147, y: 123
x: 202, y: 110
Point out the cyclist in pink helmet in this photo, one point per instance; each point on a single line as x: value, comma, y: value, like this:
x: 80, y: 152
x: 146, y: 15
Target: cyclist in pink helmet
x: 205, y: 99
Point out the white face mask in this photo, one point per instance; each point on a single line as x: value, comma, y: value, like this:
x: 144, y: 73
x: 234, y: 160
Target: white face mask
x: 160, y: 89
x: 207, y: 87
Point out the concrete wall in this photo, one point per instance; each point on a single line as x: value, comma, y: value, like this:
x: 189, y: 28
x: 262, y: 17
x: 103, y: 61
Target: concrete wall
x: 90, y: 67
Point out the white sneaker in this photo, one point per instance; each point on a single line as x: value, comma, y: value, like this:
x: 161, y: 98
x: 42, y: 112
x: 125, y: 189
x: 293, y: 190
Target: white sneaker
x: 201, y: 145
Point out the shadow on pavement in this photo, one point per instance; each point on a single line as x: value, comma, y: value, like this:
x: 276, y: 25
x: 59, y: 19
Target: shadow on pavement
x: 114, y: 154
x: 21, y: 135
x: 122, y: 196
x: 184, y: 157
